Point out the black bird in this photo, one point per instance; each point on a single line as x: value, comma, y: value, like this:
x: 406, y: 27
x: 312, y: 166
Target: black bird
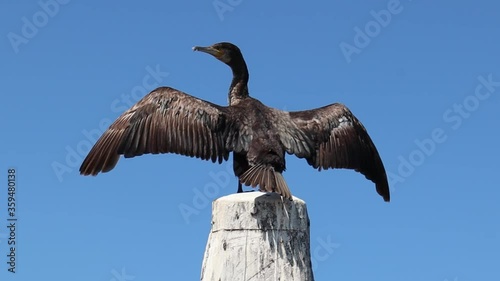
x: 170, y: 121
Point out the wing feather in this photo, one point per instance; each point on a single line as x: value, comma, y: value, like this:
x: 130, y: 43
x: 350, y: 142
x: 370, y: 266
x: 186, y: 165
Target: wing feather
x: 336, y: 139
x: 164, y: 121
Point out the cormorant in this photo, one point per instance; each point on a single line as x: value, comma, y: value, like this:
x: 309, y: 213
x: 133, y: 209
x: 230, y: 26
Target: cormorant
x: 169, y: 121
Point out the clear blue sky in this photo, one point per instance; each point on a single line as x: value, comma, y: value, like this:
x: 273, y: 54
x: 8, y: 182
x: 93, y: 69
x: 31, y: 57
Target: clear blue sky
x: 425, y: 83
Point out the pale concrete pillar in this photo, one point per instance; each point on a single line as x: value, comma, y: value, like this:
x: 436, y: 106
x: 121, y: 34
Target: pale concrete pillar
x: 258, y: 236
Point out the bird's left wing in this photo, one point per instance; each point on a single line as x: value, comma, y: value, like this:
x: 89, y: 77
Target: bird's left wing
x: 335, y: 139
x: 164, y: 121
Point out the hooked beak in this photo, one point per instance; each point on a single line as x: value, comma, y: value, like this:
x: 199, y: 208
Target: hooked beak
x: 209, y: 50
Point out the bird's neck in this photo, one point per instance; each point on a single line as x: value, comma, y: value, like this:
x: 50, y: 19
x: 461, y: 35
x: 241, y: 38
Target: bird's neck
x: 239, y: 86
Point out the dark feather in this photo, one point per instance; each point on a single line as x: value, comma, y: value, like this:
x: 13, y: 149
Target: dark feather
x: 267, y: 179
x: 338, y: 140
x: 164, y: 121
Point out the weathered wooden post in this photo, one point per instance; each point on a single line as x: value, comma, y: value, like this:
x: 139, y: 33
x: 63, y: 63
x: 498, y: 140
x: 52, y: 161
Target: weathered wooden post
x: 258, y: 236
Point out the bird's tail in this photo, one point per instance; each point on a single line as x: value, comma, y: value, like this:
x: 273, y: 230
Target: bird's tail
x: 267, y: 179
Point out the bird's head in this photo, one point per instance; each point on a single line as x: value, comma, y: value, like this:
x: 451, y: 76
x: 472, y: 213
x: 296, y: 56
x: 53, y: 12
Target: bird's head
x: 226, y: 52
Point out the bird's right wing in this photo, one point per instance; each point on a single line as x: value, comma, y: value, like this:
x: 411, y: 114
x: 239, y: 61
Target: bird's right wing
x: 164, y: 121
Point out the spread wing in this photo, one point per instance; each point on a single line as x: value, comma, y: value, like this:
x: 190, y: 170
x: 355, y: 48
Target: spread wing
x: 164, y: 121
x: 336, y: 139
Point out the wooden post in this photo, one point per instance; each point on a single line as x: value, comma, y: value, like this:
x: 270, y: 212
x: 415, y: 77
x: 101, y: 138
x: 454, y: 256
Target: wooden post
x: 258, y: 236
